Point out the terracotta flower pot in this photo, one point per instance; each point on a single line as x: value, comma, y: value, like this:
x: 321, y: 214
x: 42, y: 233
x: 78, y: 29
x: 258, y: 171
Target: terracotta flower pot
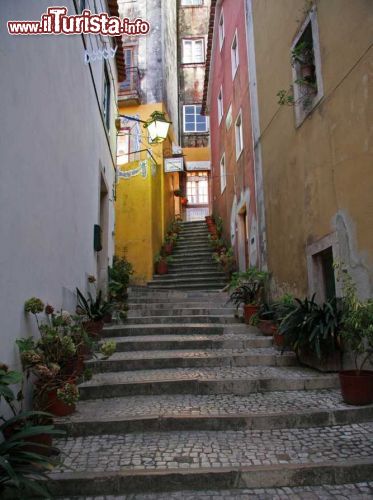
x: 266, y: 326
x: 162, y: 267
x: 168, y: 248
x: 108, y: 318
x: 93, y: 328
x: 357, y: 387
x: 278, y: 340
x: 249, y: 311
x: 307, y: 70
x: 58, y: 407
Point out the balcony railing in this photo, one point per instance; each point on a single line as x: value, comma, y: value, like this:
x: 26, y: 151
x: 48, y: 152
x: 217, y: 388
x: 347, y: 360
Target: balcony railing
x: 129, y: 89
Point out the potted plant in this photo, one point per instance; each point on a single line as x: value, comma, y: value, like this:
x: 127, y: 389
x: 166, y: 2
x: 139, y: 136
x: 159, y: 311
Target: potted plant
x: 266, y: 319
x: 161, y: 262
x: 248, y: 295
x: 357, y: 337
x: 178, y: 193
x: 184, y: 201
x: 225, y: 259
x: 313, y: 332
x: 93, y: 310
x: 119, y: 275
x: 25, y: 450
x: 170, y: 242
x: 303, y: 55
x: 281, y: 308
x: 108, y: 348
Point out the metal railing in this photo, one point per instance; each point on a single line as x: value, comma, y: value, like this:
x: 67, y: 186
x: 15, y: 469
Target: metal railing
x: 130, y: 87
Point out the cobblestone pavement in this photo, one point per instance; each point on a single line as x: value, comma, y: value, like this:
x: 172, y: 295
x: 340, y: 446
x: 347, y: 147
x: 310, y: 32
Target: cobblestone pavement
x: 361, y: 491
x: 223, y: 373
x: 192, y: 337
x: 174, y: 450
x: 220, y: 404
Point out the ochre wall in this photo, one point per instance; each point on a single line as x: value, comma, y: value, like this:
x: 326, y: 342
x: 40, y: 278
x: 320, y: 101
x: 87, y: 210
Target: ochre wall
x: 317, y: 177
x: 144, y: 208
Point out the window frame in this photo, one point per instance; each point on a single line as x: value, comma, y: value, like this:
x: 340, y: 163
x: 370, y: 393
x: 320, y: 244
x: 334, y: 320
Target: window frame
x: 220, y: 105
x: 223, y: 174
x: 300, y: 111
x: 221, y: 29
x: 199, y: 4
x: 234, y: 51
x: 239, y: 129
x: 193, y: 42
x: 195, y: 131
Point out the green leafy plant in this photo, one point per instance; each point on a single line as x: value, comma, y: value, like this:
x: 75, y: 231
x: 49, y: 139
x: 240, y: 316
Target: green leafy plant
x: 311, y: 327
x: 246, y: 294
x: 163, y: 258
x: 303, y: 54
x: 226, y: 261
x: 119, y: 276
x: 34, y: 305
x: 178, y: 192
x: 357, y: 320
x: 21, y: 465
x: 108, y: 348
x: 68, y: 393
x: 94, y: 309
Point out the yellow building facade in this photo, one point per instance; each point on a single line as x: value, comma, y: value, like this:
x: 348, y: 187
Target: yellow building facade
x: 145, y: 202
x: 315, y: 157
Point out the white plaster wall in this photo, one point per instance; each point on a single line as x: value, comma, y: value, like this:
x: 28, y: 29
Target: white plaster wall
x: 52, y: 143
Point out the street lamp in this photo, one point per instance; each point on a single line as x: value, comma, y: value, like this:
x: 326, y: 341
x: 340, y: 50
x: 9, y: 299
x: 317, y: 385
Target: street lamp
x: 157, y: 126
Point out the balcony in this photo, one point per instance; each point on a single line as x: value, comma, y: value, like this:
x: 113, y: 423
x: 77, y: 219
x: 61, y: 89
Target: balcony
x: 130, y: 89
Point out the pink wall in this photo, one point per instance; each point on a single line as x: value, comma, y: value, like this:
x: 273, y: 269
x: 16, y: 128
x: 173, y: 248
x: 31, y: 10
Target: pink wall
x: 240, y: 174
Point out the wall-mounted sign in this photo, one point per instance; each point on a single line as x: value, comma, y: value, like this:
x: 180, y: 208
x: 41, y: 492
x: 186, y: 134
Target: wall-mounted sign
x: 174, y: 164
x: 198, y: 165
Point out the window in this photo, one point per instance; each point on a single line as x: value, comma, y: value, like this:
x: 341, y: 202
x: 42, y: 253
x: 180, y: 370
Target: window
x: 193, y: 120
x: 221, y: 30
x: 123, y: 148
x: 220, y: 105
x: 197, y: 188
x: 186, y: 3
x: 234, y: 55
x: 106, y: 101
x: 193, y: 51
x: 223, y: 174
x: 239, y: 135
x: 228, y: 119
x: 306, y: 63
x: 129, y: 61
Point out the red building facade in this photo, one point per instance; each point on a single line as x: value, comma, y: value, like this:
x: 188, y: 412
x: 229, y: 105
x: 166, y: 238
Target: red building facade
x: 227, y: 102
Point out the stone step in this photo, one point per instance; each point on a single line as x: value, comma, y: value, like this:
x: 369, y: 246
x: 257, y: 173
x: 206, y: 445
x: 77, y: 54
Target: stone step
x: 181, y: 267
x: 141, y: 462
x: 205, y: 254
x: 176, y: 328
x: 154, y: 360
x: 353, y: 491
x: 205, y: 381
x: 163, y: 342
x: 189, y: 319
x: 192, y: 262
x: 192, y: 274
x: 275, y: 410
x: 220, y: 298
x: 146, y: 292
x: 174, y: 280
x: 166, y: 309
x: 189, y: 286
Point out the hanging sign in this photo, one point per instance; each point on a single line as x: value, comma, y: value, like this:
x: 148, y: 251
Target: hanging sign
x: 174, y: 164
x: 198, y: 165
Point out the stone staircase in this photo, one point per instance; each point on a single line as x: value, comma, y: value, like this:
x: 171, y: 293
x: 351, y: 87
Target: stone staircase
x: 196, y: 405
x: 192, y: 266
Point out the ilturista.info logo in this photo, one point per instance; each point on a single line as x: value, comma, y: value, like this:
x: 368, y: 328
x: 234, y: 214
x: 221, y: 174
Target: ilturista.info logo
x: 56, y: 21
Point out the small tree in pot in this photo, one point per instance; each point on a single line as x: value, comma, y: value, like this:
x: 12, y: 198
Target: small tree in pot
x: 161, y: 263
x: 357, y: 337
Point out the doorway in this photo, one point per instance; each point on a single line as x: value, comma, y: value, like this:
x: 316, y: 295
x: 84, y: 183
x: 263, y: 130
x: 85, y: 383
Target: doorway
x: 102, y: 255
x: 243, y: 239
x: 197, y: 191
